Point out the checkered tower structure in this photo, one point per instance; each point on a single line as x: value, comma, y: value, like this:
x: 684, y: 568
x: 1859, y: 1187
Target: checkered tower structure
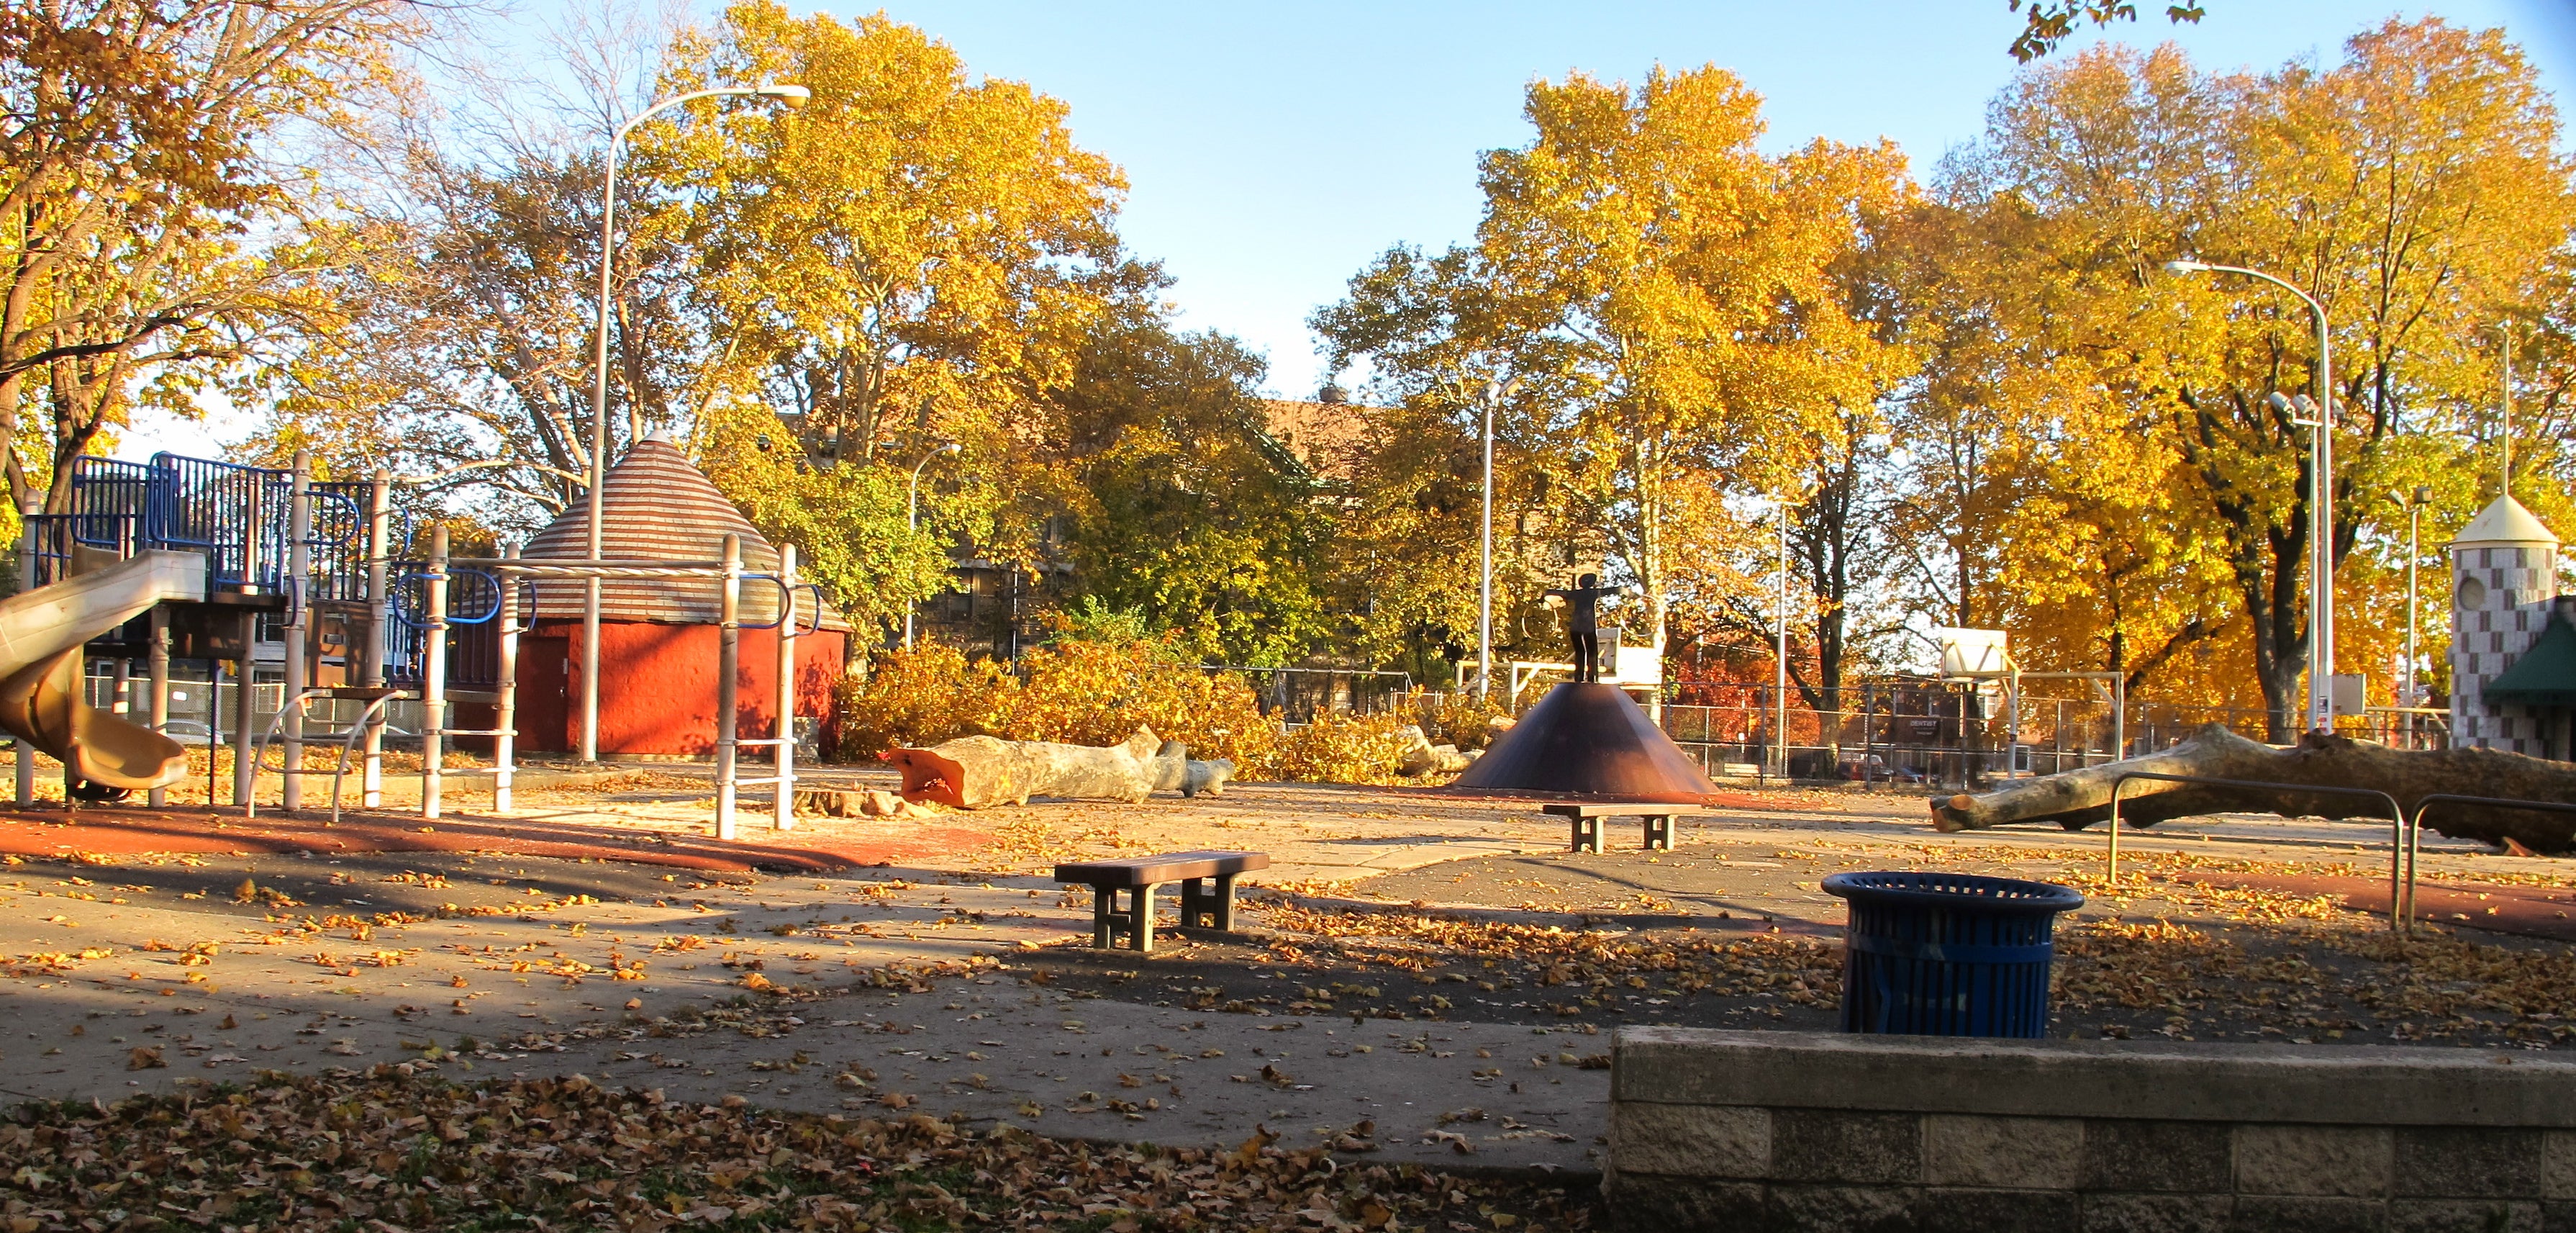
x: 2504, y: 575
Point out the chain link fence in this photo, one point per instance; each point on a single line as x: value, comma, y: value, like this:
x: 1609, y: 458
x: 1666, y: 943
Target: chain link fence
x: 1942, y: 735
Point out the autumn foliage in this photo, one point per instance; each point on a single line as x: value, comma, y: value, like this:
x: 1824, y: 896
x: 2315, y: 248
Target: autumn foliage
x: 388, y: 1150
x: 1077, y: 691
x: 1098, y: 692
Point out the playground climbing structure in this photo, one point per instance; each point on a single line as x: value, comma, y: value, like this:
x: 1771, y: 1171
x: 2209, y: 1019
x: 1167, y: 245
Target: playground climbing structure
x: 243, y: 568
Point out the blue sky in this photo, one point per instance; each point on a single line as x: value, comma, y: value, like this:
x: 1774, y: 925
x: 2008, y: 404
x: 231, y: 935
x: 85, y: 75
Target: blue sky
x: 1274, y: 148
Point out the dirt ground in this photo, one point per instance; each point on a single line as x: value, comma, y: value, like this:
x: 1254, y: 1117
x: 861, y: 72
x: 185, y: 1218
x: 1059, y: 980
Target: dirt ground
x: 1437, y: 969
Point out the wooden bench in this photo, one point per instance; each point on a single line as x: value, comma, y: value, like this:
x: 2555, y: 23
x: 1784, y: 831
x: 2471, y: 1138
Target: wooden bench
x: 1207, y: 892
x: 1658, y: 820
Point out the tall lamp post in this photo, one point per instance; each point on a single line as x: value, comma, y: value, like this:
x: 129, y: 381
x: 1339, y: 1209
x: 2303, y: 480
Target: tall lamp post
x: 2414, y: 502
x: 912, y: 522
x: 1495, y: 392
x: 2321, y: 630
x: 1780, y: 643
x: 791, y: 95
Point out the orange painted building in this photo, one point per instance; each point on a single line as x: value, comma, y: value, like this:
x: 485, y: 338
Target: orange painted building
x: 659, y: 638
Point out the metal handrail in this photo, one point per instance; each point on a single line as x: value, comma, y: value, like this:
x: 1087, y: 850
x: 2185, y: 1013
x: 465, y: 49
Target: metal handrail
x: 2401, y: 886
x: 2424, y: 805
x: 786, y: 601
x: 259, y: 749
x: 348, y: 741
x: 410, y: 576
x: 814, y: 611
x: 349, y: 745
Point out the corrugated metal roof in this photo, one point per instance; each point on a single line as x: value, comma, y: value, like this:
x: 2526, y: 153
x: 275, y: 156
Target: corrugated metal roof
x: 656, y: 506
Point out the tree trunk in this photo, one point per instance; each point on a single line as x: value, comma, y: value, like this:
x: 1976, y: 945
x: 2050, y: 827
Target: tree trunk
x: 2077, y: 799
x: 973, y: 772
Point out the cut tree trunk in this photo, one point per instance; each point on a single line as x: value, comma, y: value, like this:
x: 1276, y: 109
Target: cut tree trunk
x: 2077, y: 799
x: 973, y: 772
x: 1176, y: 771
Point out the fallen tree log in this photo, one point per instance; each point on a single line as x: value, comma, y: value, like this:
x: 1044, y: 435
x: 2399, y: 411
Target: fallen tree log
x: 2080, y: 798
x: 1176, y: 771
x: 973, y: 772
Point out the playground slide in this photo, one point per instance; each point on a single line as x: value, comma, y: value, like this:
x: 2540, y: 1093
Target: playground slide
x: 41, y: 635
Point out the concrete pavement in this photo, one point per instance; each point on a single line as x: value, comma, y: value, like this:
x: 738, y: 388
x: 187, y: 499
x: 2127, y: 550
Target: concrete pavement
x: 930, y: 980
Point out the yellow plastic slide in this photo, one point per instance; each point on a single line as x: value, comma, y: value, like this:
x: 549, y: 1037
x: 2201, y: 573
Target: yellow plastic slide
x: 41, y: 635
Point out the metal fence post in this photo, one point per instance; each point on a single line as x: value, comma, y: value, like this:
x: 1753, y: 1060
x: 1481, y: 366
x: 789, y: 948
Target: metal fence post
x: 28, y: 511
x: 728, y: 668
x: 433, y: 677
x: 786, y: 728
x: 299, y: 565
x: 379, y: 615
x: 159, y: 798
x: 245, y: 691
x: 246, y: 713
x: 505, y: 710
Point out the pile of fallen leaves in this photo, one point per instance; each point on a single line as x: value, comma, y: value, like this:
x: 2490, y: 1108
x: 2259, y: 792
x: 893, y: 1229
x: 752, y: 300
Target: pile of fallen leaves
x: 390, y: 1152
x: 1034, y: 844
x: 2195, y: 977
x: 2175, y: 885
x: 2439, y: 986
x: 2316, y: 981
x: 1596, y: 968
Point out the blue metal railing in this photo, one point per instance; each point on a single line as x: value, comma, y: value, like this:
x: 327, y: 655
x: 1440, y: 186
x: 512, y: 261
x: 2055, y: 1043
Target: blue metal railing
x: 240, y: 519
x: 339, y: 540
x: 235, y: 515
x: 473, y: 636
x: 208, y: 507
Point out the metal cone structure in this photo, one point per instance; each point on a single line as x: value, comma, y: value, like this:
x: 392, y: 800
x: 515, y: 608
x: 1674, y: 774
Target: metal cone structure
x: 1593, y: 740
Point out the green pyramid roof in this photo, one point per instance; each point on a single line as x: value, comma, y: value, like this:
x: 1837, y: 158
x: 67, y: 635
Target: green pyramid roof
x: 2545, y: 675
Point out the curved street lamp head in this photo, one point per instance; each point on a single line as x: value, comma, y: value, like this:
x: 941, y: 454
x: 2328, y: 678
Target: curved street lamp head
x: 2186, y: 266
x: 793, y: 96
x: 2278, y: 401
x: 945, y: 447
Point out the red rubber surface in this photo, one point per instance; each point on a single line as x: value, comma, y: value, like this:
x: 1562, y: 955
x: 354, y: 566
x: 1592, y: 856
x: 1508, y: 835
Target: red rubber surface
x: 2529, y: 911
x: 49, y: 832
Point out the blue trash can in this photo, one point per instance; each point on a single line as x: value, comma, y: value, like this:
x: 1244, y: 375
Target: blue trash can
x: 1948, y: 954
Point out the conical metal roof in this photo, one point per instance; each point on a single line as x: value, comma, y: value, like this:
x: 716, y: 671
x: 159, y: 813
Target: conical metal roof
x: 656, y: 506
x: 2503, y: 522
x: 1590, y: 739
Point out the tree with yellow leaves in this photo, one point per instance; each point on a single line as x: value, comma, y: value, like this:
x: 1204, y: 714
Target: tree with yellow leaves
x: 809, y: 300
x: 2413, y: 188
x: 913, y: 257
x: 1662, y: 290
x: 156, y: 225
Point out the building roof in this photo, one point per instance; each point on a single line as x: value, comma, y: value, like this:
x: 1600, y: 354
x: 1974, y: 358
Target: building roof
x: 2504, y: 521
x: 1328, y: 437
x: 656, y: 506
x: 2545, y: 675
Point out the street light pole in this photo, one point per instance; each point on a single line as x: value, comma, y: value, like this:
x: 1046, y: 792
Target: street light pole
x: 2321, y: 629
x: 912, y: 522
x: 2415, y: 503
x: 792, y: 96
x: 1495, y: 393
x: 1780, y: 644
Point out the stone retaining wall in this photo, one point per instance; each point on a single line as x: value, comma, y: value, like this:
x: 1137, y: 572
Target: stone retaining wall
x: 1762, y: 1131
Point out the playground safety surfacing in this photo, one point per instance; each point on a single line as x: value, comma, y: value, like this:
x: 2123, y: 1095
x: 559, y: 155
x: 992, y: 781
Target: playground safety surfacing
x: 49, y: 832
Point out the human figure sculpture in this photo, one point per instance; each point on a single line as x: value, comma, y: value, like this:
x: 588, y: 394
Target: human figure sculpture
x: 1583, y: 622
